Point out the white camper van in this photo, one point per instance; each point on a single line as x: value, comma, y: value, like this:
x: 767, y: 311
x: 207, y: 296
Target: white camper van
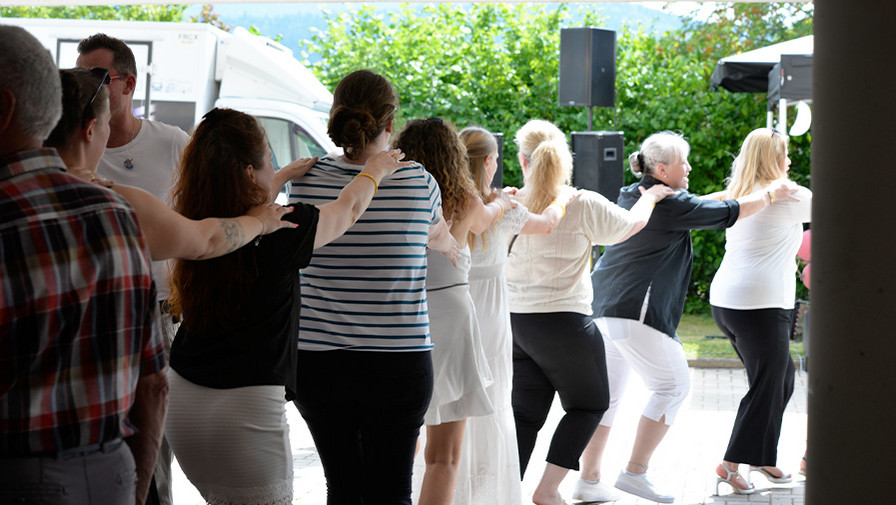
x: 185, y: 69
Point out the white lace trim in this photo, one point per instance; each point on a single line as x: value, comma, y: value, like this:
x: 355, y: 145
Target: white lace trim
x: 279, y: 493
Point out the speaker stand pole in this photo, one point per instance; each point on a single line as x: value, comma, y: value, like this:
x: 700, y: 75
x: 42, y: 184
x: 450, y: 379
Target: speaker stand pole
x: 590, y: 117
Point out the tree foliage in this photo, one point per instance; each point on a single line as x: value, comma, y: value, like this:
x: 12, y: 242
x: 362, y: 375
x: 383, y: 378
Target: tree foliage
x: 114, y: 12
x: 496, y: 65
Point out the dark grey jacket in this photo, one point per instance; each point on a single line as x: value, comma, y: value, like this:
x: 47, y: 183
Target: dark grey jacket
x: 658, y: 257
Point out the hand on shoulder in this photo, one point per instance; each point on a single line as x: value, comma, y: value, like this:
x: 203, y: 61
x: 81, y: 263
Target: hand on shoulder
x: 657, y: 192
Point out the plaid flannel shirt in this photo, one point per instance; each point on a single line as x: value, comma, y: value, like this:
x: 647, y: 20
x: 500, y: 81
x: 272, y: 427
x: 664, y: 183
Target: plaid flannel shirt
x: 76, y: 306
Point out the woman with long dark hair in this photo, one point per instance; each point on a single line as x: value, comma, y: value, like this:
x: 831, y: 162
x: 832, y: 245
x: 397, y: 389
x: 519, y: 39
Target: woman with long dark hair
x: 234, y: 356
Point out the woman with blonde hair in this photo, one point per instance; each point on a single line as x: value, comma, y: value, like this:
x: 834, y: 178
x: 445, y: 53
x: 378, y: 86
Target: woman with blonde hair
x: 556, y: 346
x: 752, y: 299
x: 639, y: 301
x: 489, y: 469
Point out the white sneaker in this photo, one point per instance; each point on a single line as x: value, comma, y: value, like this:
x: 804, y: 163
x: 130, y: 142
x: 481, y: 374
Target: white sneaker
x: 588, y: 491
x: 638, y: 485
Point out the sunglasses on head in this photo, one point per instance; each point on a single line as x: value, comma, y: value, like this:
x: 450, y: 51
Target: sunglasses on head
x: 103, y: 75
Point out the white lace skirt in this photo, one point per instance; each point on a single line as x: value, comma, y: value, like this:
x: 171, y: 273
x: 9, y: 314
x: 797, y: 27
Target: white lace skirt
x: 233, y: 444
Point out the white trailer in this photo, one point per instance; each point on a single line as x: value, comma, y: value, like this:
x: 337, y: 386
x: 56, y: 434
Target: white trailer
x: 192, y: 67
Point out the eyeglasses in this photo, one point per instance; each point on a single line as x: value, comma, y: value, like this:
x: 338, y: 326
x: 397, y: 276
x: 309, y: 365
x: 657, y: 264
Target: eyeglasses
x: 103, y: 75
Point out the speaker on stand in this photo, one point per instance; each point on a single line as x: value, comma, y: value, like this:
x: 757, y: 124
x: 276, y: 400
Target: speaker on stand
x: 587, y: 68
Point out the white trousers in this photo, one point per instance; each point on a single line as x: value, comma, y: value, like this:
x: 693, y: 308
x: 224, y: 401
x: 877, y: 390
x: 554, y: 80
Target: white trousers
x: 657, y: 358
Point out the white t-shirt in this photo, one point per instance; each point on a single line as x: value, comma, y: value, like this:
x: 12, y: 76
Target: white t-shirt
x: 550, y: 273
x: 153, y: 156
x: 759, y: 267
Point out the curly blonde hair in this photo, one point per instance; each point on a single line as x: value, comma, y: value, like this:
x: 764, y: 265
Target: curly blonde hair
x: 434, y: 144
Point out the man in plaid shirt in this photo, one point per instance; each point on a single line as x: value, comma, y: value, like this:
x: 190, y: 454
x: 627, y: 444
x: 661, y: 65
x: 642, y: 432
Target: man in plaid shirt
x: 80, y: 367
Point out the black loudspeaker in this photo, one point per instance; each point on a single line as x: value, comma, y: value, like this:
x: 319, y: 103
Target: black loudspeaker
x: 498, y: 178
x: 587, y: 67
x: 598, y: 161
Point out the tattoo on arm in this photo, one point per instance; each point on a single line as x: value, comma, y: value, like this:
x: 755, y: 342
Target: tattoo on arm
x: 233, y: 234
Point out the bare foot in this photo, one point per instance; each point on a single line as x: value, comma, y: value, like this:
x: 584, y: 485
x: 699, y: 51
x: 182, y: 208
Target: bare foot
x: 547, y: 499
x: 774, y: 471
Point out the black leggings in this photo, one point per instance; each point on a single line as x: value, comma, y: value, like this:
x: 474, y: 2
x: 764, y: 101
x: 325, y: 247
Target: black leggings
x: 761, y: 338
x: 559, y: 352
x: 364, y: 411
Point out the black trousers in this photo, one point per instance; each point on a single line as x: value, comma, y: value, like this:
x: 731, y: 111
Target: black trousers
x: 364, y: 411
x: 761, y: 338
x: 560, y: 352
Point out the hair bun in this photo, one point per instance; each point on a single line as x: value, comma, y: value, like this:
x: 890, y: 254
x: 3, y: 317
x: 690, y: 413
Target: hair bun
x: 352, y: 128
x: 636, y: 163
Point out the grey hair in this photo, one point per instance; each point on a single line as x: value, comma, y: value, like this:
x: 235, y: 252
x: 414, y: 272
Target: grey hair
x: 27, y: 69
x: 663, y: 147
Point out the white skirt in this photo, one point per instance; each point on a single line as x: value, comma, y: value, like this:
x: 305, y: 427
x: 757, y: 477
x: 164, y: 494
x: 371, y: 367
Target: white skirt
x: 233, y: 444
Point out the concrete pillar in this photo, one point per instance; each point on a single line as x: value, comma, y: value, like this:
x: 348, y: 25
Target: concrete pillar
x: 852, y: 378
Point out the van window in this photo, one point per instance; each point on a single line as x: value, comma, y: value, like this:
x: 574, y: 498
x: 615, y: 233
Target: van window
x: 288, y: 141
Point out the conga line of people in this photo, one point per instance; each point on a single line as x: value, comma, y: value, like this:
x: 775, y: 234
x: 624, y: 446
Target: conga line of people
x: 396, y: 290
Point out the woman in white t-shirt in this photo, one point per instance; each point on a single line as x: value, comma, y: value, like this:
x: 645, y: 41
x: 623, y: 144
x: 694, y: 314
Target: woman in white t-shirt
x: 752, y: 299
x: 556, y: 345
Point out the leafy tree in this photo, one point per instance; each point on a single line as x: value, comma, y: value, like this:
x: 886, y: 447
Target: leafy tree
x: 115, y: 12
x: 208, y: 15
x: 496, y: 65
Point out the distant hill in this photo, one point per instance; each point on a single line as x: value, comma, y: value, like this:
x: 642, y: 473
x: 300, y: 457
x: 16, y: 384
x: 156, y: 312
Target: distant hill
x: 294, y: 21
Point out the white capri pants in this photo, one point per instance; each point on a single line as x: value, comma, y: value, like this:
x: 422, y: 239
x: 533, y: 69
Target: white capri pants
x: 657, y: 358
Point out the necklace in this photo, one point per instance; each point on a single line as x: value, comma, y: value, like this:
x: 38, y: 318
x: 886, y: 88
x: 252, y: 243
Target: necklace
x: 129, y: 161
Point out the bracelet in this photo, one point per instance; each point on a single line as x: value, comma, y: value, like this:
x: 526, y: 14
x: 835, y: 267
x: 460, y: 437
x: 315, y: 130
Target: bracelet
x: 376, y: 185
x: 771, y: 197
x: 263, y: 227
x: 562, y: 208
x: 502, y: 211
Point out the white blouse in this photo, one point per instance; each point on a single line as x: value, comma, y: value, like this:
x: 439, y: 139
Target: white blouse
x: 759, y: 267
x: 551, y: 273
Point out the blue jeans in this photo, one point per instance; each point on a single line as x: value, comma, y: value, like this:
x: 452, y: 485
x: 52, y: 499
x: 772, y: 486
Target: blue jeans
x: 364, y: 411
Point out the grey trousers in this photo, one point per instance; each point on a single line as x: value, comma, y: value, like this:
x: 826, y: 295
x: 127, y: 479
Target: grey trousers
x: 107, y: 476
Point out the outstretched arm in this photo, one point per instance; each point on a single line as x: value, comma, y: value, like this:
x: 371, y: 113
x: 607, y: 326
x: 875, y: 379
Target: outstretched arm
x: 754, y: 202
x: 171, y: 235
x: 485, y: 215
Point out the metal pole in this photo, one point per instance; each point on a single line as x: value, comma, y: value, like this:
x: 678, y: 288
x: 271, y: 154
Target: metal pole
x: 782, y: 116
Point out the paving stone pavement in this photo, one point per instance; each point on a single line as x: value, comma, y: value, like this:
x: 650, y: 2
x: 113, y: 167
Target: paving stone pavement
x: 683, y: 464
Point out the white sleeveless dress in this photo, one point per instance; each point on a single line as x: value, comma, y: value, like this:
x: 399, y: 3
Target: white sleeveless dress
x: 460, y: 371
x: 489, y: 470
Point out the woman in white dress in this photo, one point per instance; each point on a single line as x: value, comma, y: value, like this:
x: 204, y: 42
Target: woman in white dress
x: 460, y: 371
x: 489, y: 467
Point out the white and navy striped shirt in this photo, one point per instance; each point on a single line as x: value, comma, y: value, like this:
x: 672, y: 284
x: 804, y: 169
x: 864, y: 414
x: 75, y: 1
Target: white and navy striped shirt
x: 366, y: 290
